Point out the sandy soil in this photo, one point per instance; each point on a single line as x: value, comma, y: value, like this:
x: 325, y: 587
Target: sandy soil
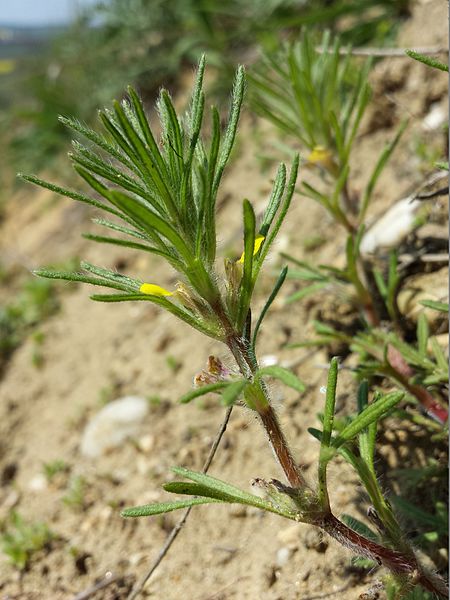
x: 92, y: 351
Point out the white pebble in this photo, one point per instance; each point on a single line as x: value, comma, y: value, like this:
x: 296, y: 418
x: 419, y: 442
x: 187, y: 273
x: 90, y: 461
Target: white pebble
x: 283, y: 556
x: 392, y: 227
x: 435, y: 118
x: 38, y: 483
x: 110, y: 427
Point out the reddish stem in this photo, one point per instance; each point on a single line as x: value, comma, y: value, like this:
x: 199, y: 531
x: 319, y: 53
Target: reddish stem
x: 403, y: 373
x: 397, y: 562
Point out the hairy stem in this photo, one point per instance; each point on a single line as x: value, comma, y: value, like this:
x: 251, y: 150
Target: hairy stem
x: 399, y: 563
x: 248, y: 366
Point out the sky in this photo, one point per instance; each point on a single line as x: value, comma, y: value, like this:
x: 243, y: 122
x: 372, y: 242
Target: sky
x: 39, y: 12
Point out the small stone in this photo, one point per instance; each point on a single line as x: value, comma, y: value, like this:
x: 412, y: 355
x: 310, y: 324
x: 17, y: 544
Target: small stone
x: 283, y: 556
x: 146, y: 442
x: 110, y: 427
x: 392, y: 227
x: 435, y: 118
x: 38, y: 483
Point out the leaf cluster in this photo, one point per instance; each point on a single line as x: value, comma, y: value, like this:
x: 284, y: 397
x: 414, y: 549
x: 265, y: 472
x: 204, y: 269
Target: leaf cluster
x: 318, y: 96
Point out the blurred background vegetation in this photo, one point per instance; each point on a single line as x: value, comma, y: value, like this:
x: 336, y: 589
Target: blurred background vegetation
x: 77, y: 68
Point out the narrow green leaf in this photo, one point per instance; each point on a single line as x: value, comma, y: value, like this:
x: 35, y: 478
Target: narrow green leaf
x: 205, y: 389
x: 440, y: 306
x: 93, y: 163
x: 378, y: 169
x: 363, y: 395
x: 82, y: 278
x: 148, y: 510
x: 100, y: 141
x: 247, y: 281
x: 284, y: 375
x: 111, y: 126
x: 197, y: 489
x: 221, y: 488
x: 330, y: 401
x: 423, y: 332
x: 204, y: 327
x: 173, y: 129
x: 274, y: 200
x: 146, y: 131
x: 113, y: 276
x: 101, y: 239
x: 439, y: 355
x: 119, y: 297
x: 149, y: 221
x: 69, y: 194
x: 359, y: 527
x: 371, y: 414
x: 380, y: 283
x: 146, y: 159
x: 316, y: 433
x: 367, y: 436
x: 232, y: 392
x: 427, y: 60
x: 279, y: 218
x: 230, y: 132
x: 269, y: 301
x: 120, y: 228
x: 306, y: 291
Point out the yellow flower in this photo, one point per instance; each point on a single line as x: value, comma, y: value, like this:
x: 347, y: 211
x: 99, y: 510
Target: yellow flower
x: 258, y: 242
x: 324, y: 158
x: 154, y: 290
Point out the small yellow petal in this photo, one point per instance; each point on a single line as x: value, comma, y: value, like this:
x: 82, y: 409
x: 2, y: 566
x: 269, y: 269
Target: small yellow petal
x: 324, y: 158
x: 258, y: 243
x: 154, y: 290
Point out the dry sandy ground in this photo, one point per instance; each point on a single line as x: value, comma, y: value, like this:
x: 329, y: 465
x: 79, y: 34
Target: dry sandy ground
x: 91, y: 350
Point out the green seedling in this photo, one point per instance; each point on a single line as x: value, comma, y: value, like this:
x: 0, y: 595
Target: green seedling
x: 51, y: 469
x: 21, y: 540
x: 160, y: 197
x: 35, y: 302
x: 75, y: 495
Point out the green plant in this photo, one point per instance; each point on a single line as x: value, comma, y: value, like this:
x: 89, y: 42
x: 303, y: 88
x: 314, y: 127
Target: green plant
x: 75, y: 496
x: 162, y: 196
x: 421, y: 369
x: 21, y: 540
x: 51, y: 469
x: 319, y: 98
x: 35, y: 302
